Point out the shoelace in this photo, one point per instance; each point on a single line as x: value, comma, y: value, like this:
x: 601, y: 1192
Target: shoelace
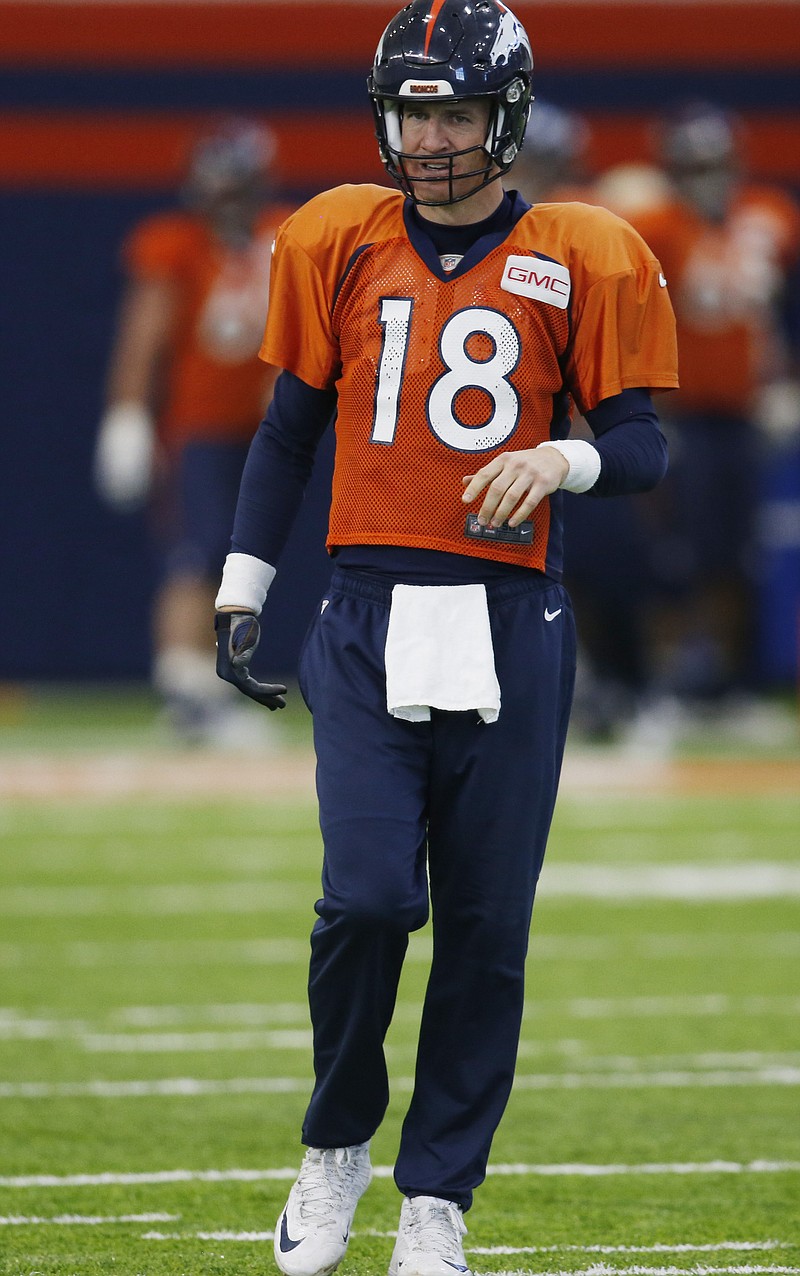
x: 324, y: 1181
x: 438, y: 1228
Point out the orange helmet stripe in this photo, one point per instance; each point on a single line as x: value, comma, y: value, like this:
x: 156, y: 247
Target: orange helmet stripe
x: 432, y: 16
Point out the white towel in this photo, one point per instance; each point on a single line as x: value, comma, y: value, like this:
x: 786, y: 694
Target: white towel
x: 439, y: 652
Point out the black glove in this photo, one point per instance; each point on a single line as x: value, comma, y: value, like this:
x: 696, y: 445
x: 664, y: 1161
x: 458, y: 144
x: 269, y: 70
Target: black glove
x: 238, y: 635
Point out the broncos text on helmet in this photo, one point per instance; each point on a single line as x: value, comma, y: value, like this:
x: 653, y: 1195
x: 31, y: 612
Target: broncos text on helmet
x: 453, y: 50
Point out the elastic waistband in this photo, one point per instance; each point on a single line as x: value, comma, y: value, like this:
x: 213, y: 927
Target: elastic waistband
x: 362, y: 585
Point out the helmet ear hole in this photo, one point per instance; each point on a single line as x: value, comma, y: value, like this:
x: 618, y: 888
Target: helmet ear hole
x: 392, y: 114
x: 495, y: 128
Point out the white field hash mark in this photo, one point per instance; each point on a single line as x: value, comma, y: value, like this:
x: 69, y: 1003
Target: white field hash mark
x: 289, y: 1174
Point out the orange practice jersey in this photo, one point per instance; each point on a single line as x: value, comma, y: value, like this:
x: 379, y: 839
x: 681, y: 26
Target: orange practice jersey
x: 725, y: 280
x: 435, y: 376
x: 215, y: 387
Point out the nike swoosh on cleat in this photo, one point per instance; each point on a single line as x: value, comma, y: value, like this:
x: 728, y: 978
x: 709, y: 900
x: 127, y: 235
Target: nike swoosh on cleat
x: 459, y: 1267
x: 285, y: 1241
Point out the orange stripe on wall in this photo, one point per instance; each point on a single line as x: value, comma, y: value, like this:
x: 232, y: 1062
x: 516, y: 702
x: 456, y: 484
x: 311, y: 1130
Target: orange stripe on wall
x: 238, y: 34
x: 770, y: 143
x: 136, y: 152
x: 141, y: 152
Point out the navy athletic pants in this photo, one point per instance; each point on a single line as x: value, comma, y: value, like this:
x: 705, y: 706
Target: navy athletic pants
x: 454, y: 806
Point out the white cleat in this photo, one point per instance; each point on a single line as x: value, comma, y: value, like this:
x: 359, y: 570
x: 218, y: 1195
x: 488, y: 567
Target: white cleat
x: 311, y: 1234
x: 429, y: 1239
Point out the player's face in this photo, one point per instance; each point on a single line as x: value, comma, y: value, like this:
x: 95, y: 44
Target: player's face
x: 232, y: 208
x: 708, y: 187
x: 431, y: 131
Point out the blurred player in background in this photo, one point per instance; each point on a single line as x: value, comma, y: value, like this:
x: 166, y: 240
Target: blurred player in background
x: 446, y: 324
x: 726, y: 246
x: 185, y: 393
x: 604, y: 561
x: 552, y: 164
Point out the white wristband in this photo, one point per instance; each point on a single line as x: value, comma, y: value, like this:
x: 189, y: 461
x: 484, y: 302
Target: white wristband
x: 584, y: 463
x: 245, y: 581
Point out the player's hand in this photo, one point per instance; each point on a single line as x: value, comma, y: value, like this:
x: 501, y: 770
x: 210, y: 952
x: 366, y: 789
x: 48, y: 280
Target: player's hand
x: 125, y: 456
x: 777, y: 411
x: 238, y: 635
x: 514, y: 483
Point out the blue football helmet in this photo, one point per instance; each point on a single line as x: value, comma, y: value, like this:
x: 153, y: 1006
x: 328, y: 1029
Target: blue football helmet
x: 451, y: 50
x: 697, y: 135
x: 229, y: 175
x: 700, y: 150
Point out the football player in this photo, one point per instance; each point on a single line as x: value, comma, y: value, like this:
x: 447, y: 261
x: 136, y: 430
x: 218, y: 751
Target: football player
x: 445, y: 325
x: 728, y: 246
x: 185, y: 387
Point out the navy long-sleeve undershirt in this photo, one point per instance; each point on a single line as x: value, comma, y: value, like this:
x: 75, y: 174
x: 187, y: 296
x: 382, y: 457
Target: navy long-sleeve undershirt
x: 279, y: 465
x: 633, y: 455
x: 633, y: 451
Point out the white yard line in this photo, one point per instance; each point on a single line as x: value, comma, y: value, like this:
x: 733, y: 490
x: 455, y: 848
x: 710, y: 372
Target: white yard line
x: 505, y: 1250
x: 194, y: 1042
x: 285, y: 1024
x: 211, y: 1236
x: 679, y: 1248
x: 282, y: 1039
x: 180, y: 1087
x: 289, y: 1174
x: 91, y: 954
x: 195, y: 1087
x: 181, y: 899
x: 620, y: 883
x: 690, y: 882
x: 83, y: 1220
x: 701, y: 1005
x: 667, y: 1079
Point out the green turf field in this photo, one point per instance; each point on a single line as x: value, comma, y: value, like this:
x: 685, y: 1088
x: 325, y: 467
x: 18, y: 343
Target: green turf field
x: 154, y: 1042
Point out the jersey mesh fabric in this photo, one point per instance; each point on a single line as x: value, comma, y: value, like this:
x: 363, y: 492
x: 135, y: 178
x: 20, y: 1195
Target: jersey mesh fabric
x: 457, y: 401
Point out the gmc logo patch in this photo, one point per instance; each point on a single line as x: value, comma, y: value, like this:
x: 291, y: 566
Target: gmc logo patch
x: 546, y: 281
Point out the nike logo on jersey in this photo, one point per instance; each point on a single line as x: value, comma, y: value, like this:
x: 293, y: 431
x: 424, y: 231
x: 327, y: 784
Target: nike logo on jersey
x: 285, y: 1241
x: 662, y: 283
x: 551, y: 615
x: 546, y: 281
